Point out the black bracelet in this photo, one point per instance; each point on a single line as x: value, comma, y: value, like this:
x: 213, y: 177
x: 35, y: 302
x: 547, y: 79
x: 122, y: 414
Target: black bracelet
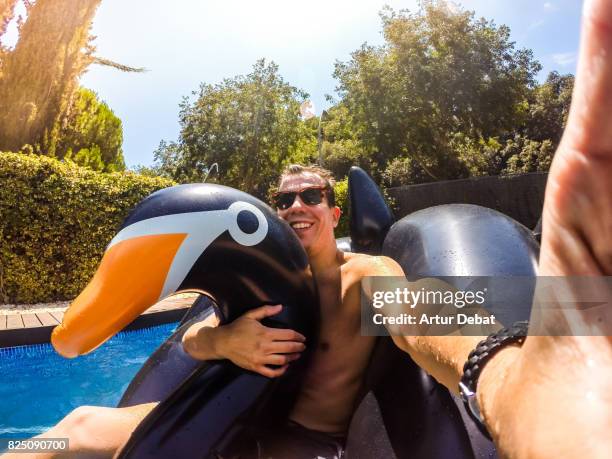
x: 476, y: 361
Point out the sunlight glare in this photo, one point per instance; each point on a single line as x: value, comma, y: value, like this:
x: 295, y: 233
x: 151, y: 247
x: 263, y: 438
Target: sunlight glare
x: 9, y: 39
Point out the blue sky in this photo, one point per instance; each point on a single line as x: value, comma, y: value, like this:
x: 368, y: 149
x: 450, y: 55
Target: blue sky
x: 185, y: 42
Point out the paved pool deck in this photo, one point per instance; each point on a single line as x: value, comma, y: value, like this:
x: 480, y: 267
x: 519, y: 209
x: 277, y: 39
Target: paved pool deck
x: 35, y: 327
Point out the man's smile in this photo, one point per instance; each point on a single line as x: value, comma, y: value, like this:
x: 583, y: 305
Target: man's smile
x: 300, y: 225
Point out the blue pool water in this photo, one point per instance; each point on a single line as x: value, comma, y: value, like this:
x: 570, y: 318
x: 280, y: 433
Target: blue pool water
x: 38, y: 387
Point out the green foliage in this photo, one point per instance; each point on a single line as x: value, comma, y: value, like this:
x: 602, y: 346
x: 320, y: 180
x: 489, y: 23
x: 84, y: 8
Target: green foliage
x: 440, y: 73
x: 55, y: 221
x: 91, y: 135
x: 342, y: 201
x: 526, y: 155
x: 549, y: 107
x: 249, y: 125
x: 147, y: 171
x: 403, y: 171
x: 480, y: 156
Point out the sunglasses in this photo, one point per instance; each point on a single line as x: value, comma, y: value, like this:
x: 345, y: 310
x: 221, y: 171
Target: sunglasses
x: 310, y: 196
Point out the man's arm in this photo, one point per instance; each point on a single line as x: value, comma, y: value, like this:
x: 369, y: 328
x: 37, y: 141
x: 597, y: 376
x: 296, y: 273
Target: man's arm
x: 442, y: 357
x: 246, y: 342
x: 200, y: 340
x: 93, y: 432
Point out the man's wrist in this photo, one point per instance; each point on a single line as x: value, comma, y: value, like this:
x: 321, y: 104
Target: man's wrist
x: 490, y: 397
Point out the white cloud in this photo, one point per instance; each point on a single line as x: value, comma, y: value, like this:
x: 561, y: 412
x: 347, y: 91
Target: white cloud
x: 564, y: 59
x: 550, y: 6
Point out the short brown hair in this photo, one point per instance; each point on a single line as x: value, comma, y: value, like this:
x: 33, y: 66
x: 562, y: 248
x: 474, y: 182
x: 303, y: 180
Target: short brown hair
x: 326, y: 175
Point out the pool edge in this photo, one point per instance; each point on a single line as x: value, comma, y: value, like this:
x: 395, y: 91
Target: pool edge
x: 31, y: 333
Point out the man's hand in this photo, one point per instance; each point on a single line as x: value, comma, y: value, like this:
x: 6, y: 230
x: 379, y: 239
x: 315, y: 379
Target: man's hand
x: 247, y: 343
x: 252, y: 346
x: 552, y: 397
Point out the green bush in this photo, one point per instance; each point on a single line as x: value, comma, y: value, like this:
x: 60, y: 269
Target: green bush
x: 341, y: 192
x: 342, y: 201
x: 55, y: 221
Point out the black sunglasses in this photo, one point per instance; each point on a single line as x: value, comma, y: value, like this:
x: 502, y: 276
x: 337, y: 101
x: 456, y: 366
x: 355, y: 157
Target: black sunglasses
x: 310, y: 196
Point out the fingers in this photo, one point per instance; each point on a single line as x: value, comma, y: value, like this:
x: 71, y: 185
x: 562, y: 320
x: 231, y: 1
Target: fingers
x: 272, y: 372
x: 284, y: 347
x: 588, y: 128
x: 263, y: 312
x: 284, y: 334
x: 275, y: 334
x: 280, y: 359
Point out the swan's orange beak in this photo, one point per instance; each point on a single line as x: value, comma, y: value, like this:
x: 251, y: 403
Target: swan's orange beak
x: 128, y: 281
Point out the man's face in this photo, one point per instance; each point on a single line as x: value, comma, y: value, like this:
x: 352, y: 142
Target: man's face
x: 313, y: 224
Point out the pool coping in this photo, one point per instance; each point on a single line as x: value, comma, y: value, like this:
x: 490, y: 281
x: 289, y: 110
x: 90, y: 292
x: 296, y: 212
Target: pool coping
x: 36, y: 327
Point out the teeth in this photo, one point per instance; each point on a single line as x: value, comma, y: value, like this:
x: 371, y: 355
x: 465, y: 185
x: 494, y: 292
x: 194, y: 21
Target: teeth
x: 301, y: 225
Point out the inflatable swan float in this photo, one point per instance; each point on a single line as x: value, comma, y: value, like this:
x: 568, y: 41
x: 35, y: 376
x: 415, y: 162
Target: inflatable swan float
x: 235, y: 250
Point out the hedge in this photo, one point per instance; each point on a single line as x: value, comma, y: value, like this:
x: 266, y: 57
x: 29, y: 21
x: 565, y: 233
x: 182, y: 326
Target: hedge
x: 341, y: 193
x: 56, y: 219
x: 342, y: 201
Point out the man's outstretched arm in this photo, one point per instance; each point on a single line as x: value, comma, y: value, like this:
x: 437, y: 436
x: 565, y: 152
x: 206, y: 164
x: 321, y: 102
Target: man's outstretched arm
x: 442, y: 357
x: 552, y: 396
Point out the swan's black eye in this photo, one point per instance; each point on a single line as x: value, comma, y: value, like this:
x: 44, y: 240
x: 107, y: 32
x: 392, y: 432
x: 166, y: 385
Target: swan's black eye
x: 247, y: 222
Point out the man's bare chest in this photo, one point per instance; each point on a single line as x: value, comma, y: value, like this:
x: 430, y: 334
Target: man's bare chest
x: 340, y: 347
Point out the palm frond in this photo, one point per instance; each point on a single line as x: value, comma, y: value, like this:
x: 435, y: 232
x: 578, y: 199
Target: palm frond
x: 123, y: 68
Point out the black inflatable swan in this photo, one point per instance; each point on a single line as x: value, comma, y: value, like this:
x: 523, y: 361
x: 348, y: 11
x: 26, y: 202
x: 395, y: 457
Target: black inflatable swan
x: 229, y: 245
x: 405, y: 413
x: 218, y: 241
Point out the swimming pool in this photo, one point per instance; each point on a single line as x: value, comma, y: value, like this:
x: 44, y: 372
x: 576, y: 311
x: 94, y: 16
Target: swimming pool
x: 38, y: 387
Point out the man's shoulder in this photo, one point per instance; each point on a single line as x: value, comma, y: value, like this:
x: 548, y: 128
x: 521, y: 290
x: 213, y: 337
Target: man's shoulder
x: 363, y: 265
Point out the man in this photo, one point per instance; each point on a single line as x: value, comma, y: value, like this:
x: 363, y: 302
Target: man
x: 324, y: 407
x: 548, y: 398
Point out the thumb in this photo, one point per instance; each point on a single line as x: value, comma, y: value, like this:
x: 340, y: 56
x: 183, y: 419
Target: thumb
x: 264, y: 311
x: 588, y: 126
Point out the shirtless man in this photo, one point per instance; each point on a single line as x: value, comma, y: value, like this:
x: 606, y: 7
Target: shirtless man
x: 328, y: 396
x: 549, y: 398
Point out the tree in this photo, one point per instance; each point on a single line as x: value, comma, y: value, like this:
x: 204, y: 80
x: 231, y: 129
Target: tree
x: 342, y: 147
x: 249, y: 125
x: 521, y: 155
x: 548, y: 108
x: 39, y: 77
x: 91, y: 134
x: 440, y: 72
